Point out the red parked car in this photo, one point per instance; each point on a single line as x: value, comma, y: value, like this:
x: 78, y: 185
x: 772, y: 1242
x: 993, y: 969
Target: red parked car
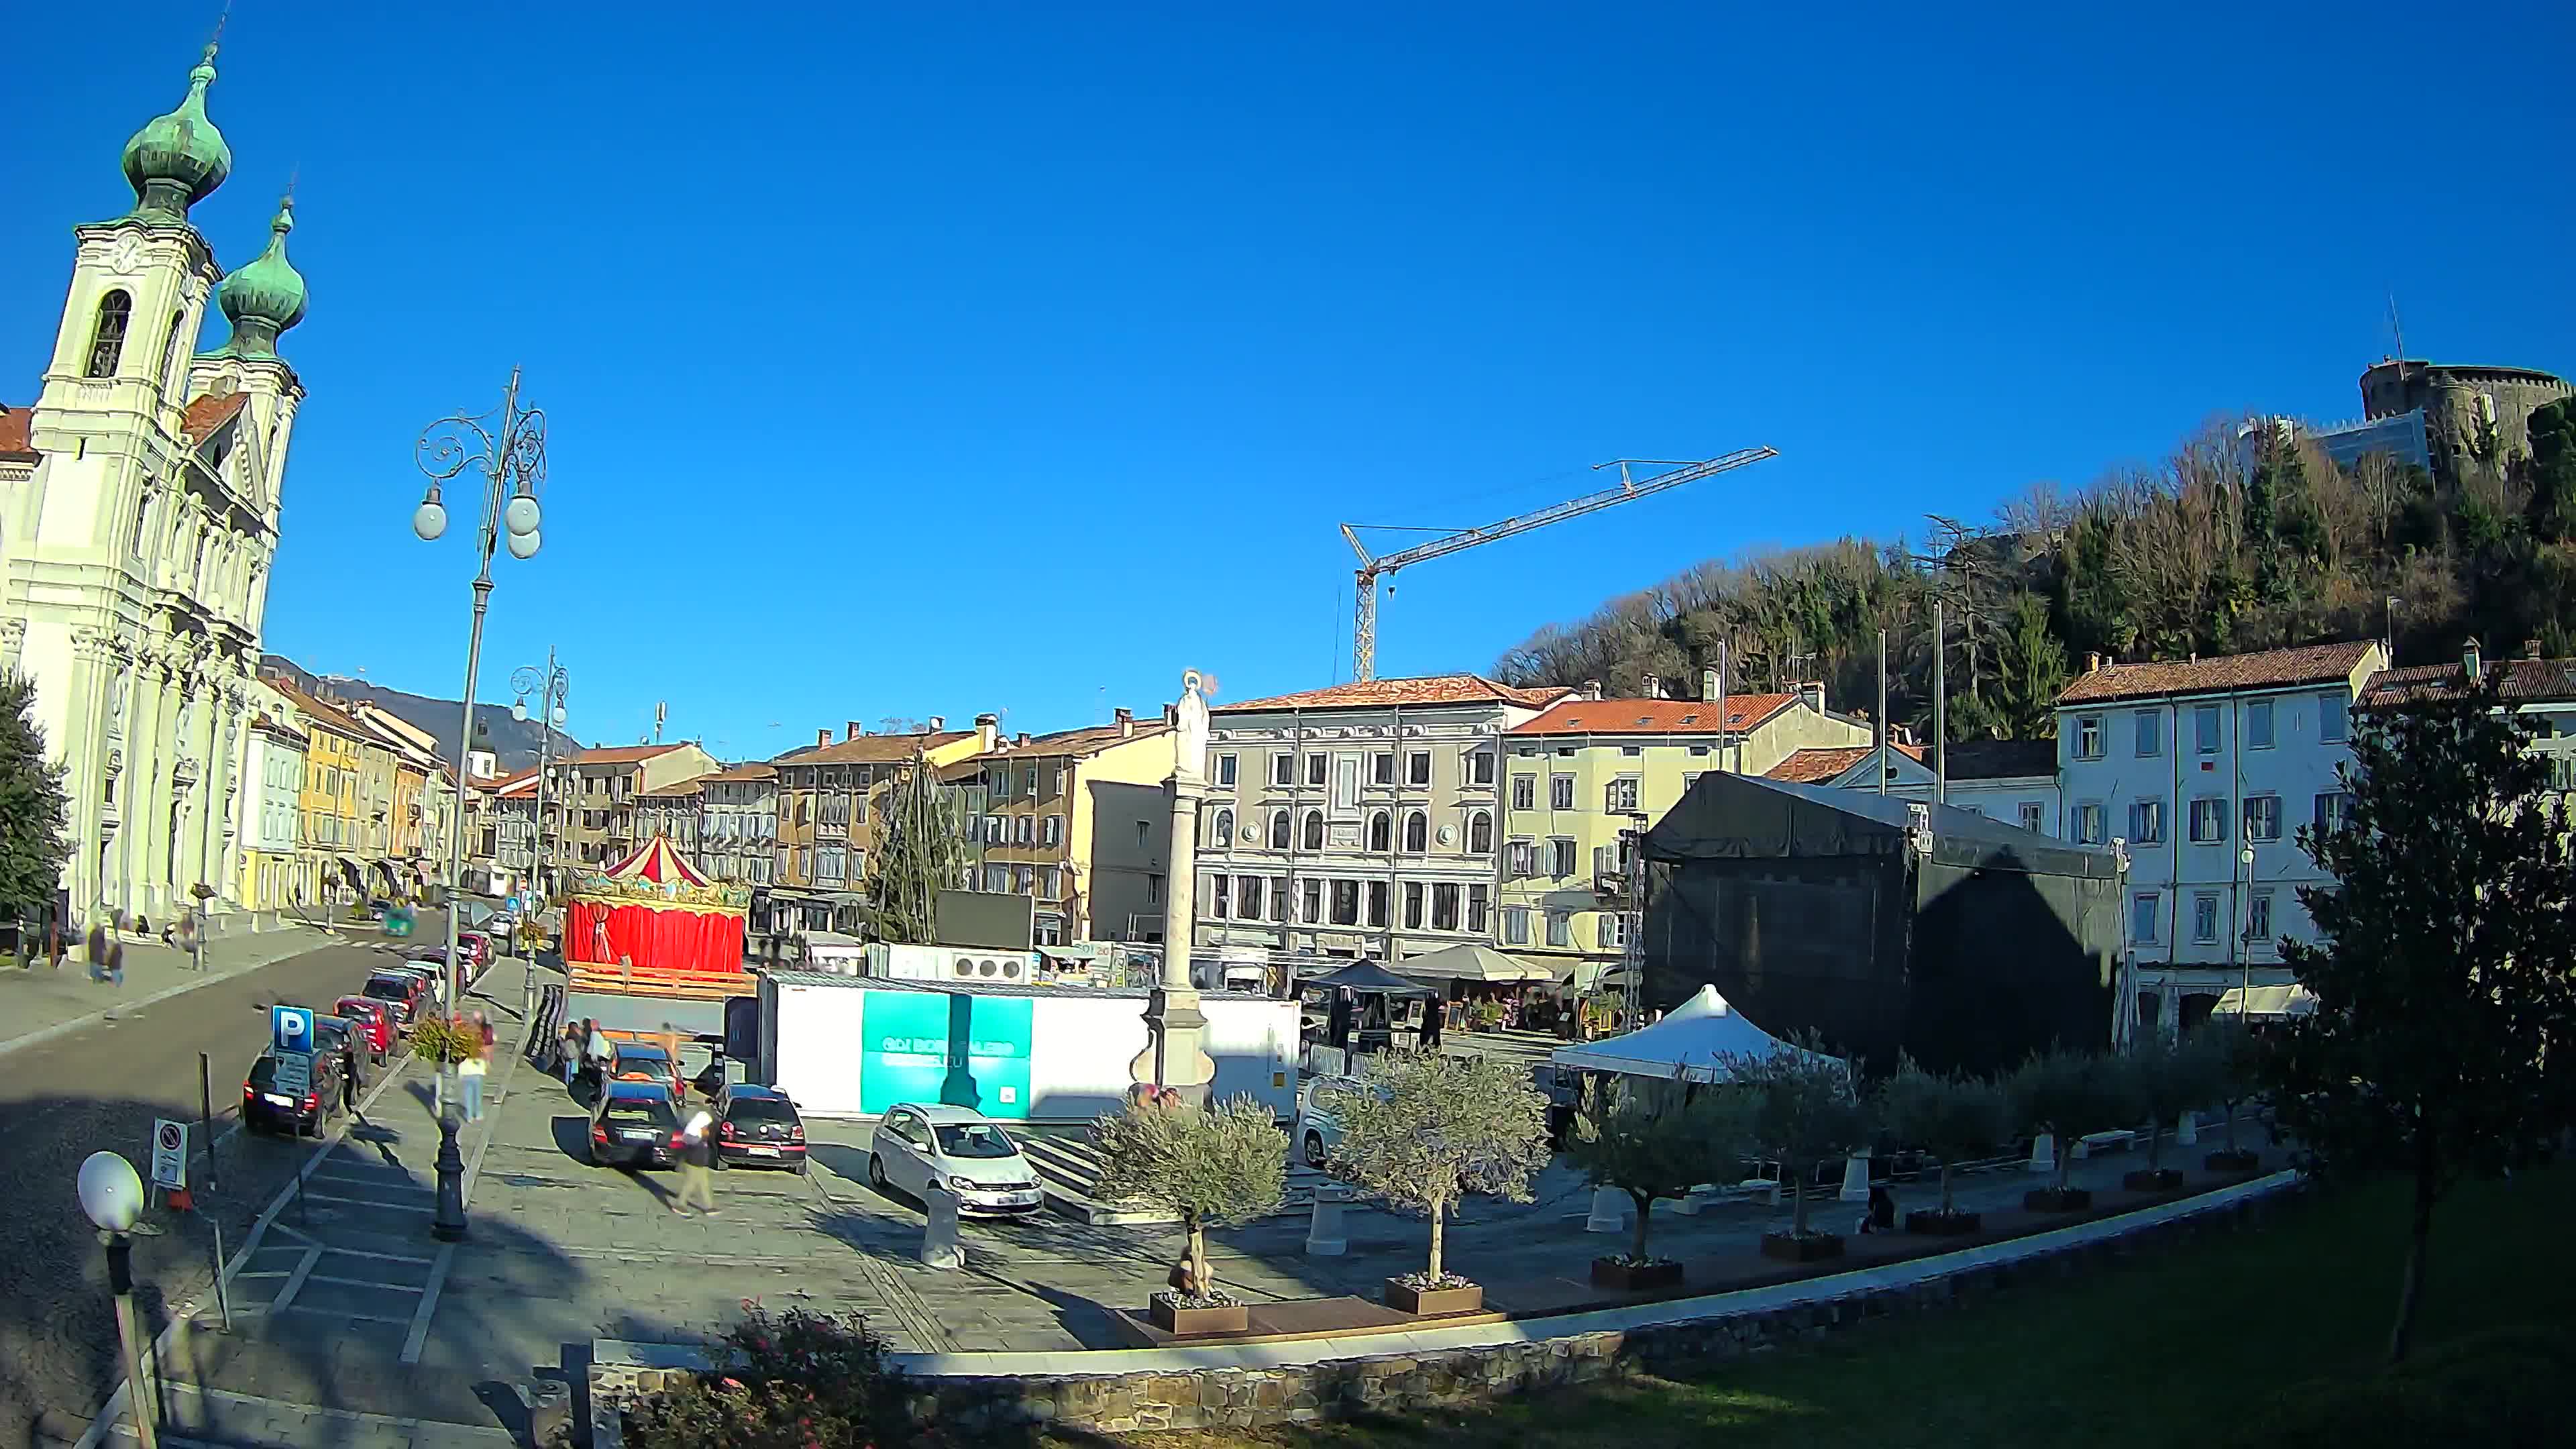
x: 375, y: 1021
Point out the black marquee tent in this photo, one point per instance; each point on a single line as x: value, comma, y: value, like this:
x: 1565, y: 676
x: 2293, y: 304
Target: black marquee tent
x: 1820, y: 909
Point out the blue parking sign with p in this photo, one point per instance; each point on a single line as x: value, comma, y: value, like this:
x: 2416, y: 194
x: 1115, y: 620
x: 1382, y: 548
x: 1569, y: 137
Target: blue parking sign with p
x: 291, y: 1028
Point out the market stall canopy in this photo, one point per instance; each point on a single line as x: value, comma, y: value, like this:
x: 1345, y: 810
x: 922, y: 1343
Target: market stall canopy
x: 1469, y: 962
x: 2266, y: 1001
x: 1692, y: 1042
x: 1368, y: 978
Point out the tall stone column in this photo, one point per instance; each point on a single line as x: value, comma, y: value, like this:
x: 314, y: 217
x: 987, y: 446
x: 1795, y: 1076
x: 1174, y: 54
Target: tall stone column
x: 83, y: 750
x: 1175, y: 1054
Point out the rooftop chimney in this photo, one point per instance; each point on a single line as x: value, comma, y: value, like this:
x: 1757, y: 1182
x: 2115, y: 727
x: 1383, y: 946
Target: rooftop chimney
x: 1708, y: 684
x: 2471, y: 664
x: 1814, y: 695
x: 822, y: 737
x: 852, y: 730
x: 2093, y: 661
x: 1023, y: 738
x: 1126, y: 722
x: 1654, y: 686
x: 988, y: 730
x: 938, y: 723
x: 2530, y: 648
x: 1591, y: 689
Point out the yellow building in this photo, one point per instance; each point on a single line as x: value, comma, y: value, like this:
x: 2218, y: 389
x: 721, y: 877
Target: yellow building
x: 1079, y: 822
x: 332, y: 820
x: 1581, y: 775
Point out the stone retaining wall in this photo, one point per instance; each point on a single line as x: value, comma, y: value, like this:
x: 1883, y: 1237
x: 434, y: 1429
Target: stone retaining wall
x: 1209, y: 1398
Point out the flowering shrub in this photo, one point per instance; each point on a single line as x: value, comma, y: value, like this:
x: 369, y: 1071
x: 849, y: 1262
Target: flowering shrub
x: 797, y: 1380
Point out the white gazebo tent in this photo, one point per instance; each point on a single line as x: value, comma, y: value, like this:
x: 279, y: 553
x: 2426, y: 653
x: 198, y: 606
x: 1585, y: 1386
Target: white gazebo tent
x: 1687, y: 1045
x: 2266, y: 1003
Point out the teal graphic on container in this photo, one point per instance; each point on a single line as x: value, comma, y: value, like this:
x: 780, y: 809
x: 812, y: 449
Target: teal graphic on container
x: 954, y: 1048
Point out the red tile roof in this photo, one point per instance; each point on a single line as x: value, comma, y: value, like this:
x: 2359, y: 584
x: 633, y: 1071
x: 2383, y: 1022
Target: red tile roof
x: 620, y: 754
x: 2272, y: 668
x: 205, y: 414
x: 1089, y: 740
x: 1817, y: 767
x: 15, y: 426
x: 1423, y: 690
x: 328, y: 715
x: 678, y: 790
x: 875, y: 749
x: 745, y: 773
x: 1653, y: 716
x: 2529, y: 681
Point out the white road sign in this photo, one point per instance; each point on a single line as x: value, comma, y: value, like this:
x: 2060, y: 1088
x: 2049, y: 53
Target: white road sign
x: 169, y: 1153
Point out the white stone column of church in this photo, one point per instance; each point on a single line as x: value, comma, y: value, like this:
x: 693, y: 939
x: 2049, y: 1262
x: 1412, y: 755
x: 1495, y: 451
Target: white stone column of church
x: 83, y: 752
x: 161, y: 791
x: 142, y: 791
x: 223, y: 746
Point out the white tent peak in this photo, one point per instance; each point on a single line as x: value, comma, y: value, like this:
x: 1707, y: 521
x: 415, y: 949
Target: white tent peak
x: 1691, y: 1041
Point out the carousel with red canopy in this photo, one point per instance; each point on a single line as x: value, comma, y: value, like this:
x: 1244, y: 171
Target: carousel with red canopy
x: 654, y: 915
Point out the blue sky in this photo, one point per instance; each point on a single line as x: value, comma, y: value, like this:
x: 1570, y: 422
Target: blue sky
x: 935, y: 359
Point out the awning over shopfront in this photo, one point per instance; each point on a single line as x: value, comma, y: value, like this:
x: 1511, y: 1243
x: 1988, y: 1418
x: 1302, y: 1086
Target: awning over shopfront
x: 2274, y: 1003
x: 1368, y: 979
x: 1469, y: 962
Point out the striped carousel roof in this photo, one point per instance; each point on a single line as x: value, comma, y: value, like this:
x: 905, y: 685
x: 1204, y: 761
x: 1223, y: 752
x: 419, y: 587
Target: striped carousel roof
x: 659, y: 863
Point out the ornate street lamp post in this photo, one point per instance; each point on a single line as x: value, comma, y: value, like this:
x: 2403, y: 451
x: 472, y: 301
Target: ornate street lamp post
x: 508, y: 450
x: 549, y: 685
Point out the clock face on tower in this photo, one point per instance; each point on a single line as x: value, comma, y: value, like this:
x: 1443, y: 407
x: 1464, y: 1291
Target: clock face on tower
x: 125, y: 258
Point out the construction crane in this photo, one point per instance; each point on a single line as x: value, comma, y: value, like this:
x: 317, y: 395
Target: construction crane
x: 1374, y: 567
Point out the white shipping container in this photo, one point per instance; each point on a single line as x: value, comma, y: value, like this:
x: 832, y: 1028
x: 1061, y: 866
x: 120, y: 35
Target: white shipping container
x: 1078, y: 1045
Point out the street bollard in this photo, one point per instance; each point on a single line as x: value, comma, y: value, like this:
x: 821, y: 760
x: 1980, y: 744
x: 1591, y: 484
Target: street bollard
x: 1325, y: 1236
x: 1607, y: 1215
x: 940, y: 1244
x: 223, y: 1294
x: 2187, y: 1131
x: 2043, y: 1153
x: 1856, y: 1177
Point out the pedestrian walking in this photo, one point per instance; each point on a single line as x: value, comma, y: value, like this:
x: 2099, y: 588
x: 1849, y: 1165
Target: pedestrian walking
x: 697, y: 1155
x: 603, y: 1052
x: 568, y: 1045
x: 349, y: 1082
x: 469, y: 1082
x: 1435, y: 1014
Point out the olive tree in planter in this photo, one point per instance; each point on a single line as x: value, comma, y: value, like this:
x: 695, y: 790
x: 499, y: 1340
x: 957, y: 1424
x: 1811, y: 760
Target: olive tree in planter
x: 1423, y: 1131
x: 1650, y: 1143
x: 2230, y: 1064
x: 2066, y: 1094
x: 2168, y: 1077
x: 1225, y: 1163
x: 1804, y: 1110
x: 1948, y: 1119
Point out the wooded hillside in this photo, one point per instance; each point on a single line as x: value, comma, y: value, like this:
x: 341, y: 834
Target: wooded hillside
x: 2240, y: 540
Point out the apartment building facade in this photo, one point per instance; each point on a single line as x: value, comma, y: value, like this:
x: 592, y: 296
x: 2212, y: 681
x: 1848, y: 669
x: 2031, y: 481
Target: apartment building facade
x: 331, y: 829
x: 1080, y: 822
x: 674, y: 811
x: 605, y: 783
x: 738, y: 825
x: 274, y: 874
x: 1583, y: 777
x: 2204, y: 769
x: 1364, y: 819
x: 828, y: 800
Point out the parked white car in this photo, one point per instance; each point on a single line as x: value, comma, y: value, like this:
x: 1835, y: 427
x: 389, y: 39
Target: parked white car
x: 917, y: 1145
x: 1319, y: 1123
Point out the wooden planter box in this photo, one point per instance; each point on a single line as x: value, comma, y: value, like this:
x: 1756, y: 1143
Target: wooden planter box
x: 1608, y: 1273
x: 1933, y: 1222
x: 2056, y: 1200
x: 2153, y: 1179
x: 2239, y: 1160
x: 1194, y: 1322
x: 1433, y: 1302
x: 1814, y: 1247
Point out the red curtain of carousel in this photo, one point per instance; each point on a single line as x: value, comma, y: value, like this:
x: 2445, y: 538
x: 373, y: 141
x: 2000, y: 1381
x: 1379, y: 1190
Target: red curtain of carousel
x: 668, y: 940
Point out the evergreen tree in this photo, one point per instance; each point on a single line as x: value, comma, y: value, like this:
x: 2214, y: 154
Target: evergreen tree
x: 918, y: 855
x: 2440, y: 967
x: 33, y: 811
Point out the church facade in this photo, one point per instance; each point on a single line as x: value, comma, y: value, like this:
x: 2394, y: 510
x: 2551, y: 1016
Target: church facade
x: 139, y: 506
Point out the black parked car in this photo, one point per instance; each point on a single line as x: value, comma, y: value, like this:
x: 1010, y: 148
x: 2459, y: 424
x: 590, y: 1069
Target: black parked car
x: 758, y: 1127
x: 266, y: 1109
x: 633, y: 1124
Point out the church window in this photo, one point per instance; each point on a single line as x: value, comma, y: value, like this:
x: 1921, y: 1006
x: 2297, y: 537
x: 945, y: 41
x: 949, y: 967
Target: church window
x: 170, y: 353
x: 107, y: 340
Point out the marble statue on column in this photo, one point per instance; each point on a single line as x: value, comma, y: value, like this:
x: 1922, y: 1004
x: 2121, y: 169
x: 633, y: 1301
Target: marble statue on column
x: 1175, y: 1058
